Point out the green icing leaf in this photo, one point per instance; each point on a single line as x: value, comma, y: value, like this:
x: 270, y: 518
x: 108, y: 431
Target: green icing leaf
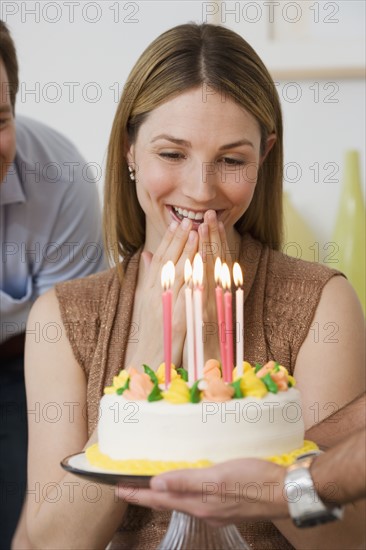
x: 289, y: 383
x: 270, y: 384
x: 194, y: 393
x: 183, y: 373
x: 151, y: 373
x: 236, y: 385
x: 257, y: 367
x: 276, y: 368
x: 125, y: 387
x: 155, y: 394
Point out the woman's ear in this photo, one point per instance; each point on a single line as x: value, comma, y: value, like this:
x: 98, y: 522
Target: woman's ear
x: 271, y: 140
x: 130, y: 154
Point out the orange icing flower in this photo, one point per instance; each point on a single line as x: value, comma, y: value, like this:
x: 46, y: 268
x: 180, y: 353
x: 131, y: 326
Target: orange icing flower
x: 140, y: 386
x: 266, y: 368
x: 281, y: 379
x: 217, y: 390
x: 211, y: 370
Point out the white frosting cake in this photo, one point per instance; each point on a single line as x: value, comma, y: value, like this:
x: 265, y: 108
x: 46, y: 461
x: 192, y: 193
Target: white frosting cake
x: 214, y: 431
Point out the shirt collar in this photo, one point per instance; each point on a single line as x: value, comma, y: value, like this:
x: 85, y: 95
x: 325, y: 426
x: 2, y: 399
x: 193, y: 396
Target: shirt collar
x: 11, y: 190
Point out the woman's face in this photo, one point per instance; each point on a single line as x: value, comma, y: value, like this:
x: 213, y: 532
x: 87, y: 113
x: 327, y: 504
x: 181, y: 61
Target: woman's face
x: 194, y: 153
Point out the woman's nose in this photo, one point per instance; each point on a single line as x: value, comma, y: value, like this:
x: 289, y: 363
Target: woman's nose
x: 202, y: 182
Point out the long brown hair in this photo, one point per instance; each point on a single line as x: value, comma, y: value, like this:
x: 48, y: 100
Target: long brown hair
x: 183, y: 58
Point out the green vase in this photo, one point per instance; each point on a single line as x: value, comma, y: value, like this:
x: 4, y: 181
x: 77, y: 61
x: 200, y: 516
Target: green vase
x: 349, y: 232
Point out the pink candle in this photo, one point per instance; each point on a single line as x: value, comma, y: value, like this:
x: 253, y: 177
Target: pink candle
x: 192, y: 377
x: 220, y: 313
x: 167, y: 280
x: 198, y: 318
x: 228, y: 312
x: 239, y: 295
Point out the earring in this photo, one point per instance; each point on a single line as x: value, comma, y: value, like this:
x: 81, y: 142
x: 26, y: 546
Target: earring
x: 132, y: 173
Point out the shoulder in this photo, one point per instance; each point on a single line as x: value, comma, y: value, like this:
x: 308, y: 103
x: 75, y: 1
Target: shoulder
x: 287, y: 268
x: 92, y: 289
x: 34, y: 135
x: 45, y: 153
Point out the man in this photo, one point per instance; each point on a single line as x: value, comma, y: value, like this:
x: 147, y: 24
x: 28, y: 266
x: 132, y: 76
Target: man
x: 50, y: 231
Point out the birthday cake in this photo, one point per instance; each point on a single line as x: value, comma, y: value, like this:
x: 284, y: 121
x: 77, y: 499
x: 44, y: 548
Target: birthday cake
x: 146, y: 428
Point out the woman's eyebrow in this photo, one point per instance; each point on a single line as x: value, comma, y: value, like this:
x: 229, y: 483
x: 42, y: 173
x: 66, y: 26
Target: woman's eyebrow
x: 178, y: 141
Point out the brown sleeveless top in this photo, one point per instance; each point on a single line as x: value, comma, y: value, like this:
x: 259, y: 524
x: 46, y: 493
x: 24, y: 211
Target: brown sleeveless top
x: 281, y: 296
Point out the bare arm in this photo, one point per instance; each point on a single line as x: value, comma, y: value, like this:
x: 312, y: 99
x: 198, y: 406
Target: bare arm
x: 340, y: 473
x: 63, y: 511
x: 330, y: 375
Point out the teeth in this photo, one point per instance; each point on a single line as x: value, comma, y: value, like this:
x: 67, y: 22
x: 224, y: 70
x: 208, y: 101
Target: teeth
x: 189, y: 214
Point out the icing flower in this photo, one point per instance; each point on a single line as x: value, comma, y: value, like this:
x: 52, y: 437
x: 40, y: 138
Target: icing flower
x: 280, y: 376
x: 252, y: 386
x: 265, y: 369
x: 160, y: 373
x: 119, y: 381
x: 217, y: 390
x: 139, y: 388
x: 177, y: 393
x: 246, y: 367
x: 211, y: 370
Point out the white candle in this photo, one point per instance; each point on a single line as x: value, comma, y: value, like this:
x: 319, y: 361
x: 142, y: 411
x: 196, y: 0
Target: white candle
x: 189, y: 322
x: 198, y: 320
x: 239, y: 295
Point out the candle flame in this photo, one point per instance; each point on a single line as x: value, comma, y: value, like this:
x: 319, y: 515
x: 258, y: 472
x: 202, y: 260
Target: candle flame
x: 225, y: 277
x: 187, y: 271
x: 167, y: 275
x: 197, y: 270
x: 218, y: 266
x: 237, y: 274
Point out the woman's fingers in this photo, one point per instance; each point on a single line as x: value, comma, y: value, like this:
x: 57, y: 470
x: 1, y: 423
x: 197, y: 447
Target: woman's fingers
x: 170, y: 248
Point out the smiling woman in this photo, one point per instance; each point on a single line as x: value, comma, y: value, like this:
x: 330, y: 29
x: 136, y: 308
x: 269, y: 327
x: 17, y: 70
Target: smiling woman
x: 194, y: 163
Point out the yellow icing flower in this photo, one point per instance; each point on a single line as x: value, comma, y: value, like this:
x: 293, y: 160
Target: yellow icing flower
x: 252, y: 386
x: 109, y: 390
x: 178, y: 392
x: 160, y: 373
x: 292, y: 380
x: 246, y: 367
x: 120, y: 380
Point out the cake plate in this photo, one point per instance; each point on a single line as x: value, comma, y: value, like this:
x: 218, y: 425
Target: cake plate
x: 184, y: 532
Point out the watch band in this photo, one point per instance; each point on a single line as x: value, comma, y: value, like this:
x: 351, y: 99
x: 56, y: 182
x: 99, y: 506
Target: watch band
x: 305, y: 506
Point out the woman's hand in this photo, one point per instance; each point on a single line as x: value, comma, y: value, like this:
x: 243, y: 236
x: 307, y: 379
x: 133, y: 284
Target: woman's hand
x: 212, y: 244
x: 223, y: 494
x: 179, y: 243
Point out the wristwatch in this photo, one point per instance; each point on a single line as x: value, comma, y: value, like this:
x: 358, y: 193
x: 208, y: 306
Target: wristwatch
x: 305, y: 506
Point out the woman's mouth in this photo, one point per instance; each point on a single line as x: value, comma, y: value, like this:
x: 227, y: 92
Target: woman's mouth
x: 196, y: 216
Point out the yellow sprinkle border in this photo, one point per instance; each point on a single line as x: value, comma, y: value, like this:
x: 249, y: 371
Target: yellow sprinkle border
x: 154, y: 467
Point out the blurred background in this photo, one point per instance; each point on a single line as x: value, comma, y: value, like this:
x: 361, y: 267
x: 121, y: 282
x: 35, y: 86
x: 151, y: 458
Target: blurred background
x: 75, y: 57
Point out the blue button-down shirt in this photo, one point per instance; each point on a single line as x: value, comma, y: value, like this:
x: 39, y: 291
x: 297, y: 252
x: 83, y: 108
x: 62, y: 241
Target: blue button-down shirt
x: 50, y: 221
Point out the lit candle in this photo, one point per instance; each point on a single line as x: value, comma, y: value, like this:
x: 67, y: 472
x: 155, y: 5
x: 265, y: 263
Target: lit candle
x: 189, y: 321
x: 198, y: 321
x: 220, y: 312
x: 228, y: 312
x: 239, y: 295
x: 167, y: 280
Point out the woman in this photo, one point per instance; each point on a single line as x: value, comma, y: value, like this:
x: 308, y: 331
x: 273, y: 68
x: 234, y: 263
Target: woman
x: 194, y: 163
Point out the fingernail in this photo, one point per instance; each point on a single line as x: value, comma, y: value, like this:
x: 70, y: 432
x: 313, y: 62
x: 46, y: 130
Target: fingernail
x: 158, y: 484
x: 211, y: 215
x: 192, y: 236
x: 186, y: 223
x: 173, y: 225
x: 204, y: 229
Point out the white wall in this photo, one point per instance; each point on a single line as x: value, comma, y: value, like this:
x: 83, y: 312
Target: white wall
x: 75, y: 57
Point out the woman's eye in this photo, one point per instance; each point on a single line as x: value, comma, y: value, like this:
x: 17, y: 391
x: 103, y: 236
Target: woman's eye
x: 232, y: 162
x: 171, y: 155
